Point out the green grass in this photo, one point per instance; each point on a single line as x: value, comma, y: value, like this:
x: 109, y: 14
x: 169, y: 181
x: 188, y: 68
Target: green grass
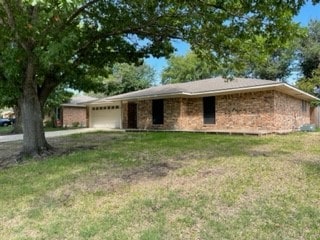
x: 5, y: 130
x: 168, y: 186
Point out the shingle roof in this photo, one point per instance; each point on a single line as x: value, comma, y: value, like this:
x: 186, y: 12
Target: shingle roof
x: 211, y: 86
x: 79, y: 100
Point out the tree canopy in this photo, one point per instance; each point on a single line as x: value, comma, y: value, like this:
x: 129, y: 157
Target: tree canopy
x: 310, y: 49
x: 309, y: 59
x: 187, y: 68
x: 277, y: 65
x: 309, y: 84
x: 128, y: 77
x: 47, y: 43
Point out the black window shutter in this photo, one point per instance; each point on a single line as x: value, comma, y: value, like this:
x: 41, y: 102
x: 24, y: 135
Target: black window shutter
x: 157, y: 111
x: 209, y: 110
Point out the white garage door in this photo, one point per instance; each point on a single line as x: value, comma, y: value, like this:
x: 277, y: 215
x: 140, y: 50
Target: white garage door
x: 105, y: 116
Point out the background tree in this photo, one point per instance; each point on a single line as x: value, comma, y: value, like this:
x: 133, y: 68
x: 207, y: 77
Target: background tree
x: 308, y: 84
x: 310, y: 49
x: 46, y: 43
x: 309, y: 58
x: 187, y: 68
x: 277, y: 66
x: 10, y: 87
x: 128, y: 77
x: 59, y: 96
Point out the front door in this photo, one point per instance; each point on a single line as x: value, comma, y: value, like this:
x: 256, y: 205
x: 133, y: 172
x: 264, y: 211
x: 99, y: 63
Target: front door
x: 132, y: 115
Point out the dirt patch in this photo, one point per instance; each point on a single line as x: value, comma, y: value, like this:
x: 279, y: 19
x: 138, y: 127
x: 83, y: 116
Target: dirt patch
x: 151, y: 171
x: 9, y: 151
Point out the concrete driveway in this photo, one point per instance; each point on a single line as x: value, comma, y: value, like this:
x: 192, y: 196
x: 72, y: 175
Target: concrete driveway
x: 17, y: 137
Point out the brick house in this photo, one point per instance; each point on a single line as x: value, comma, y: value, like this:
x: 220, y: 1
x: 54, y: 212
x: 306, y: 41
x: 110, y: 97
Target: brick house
x: 215, y: 105
x: 74, y: 113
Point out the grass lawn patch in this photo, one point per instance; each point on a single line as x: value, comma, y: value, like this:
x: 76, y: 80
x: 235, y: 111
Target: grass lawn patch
x: 160, y: 185
x: 5, y: 130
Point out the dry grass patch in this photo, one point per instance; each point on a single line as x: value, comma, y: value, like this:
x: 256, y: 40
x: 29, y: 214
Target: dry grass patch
x: 168, y: 186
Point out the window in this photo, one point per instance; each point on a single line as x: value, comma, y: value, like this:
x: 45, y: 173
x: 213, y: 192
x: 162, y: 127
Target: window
x: 209, y: 110
x: 304, y: 106
x: 157, y: 111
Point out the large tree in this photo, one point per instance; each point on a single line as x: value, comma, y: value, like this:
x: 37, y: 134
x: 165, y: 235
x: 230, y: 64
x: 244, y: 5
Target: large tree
x: 308, y: 84
x: 277, y: 65
x: 128, y: 77
x: 310, y: 49
x: 309, y: 59
x: 187, y: 68
x: 46, y: 43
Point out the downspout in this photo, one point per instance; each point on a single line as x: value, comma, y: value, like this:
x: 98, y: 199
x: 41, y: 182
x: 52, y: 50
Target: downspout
x: 121, y: 112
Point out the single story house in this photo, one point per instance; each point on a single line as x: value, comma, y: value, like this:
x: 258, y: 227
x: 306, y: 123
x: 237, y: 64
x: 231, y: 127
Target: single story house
x: 216, y: 105
x: 74, y: 113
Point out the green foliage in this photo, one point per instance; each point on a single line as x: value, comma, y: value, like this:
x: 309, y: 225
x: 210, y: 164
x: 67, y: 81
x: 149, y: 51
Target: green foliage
x: 310, y: 49
x: 72, y: 40
x: 6, y: 130
x: 309, y: 59
x: 187, y: 68
x: 254, y: 63
x: 128, y: 77
x: 10, y: 74
x: 309, y: 84
x: 275, y: 66
x: 56, y: 98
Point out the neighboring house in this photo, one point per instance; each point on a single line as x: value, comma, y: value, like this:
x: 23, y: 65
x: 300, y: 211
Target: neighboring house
x: 216, y: 105
x: 74, y: 113
x: 7, y: 113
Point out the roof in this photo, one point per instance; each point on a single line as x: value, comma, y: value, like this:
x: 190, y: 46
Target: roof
x: 79, y: 101
x: 212, y: 86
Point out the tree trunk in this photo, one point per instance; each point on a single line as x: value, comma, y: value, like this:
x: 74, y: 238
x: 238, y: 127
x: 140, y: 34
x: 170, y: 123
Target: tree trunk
x: 34, y: 141
x: 17, y: 126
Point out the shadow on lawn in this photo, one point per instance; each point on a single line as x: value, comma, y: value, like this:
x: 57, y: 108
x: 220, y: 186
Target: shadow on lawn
x: 312, y: 169
x: 63, y: 146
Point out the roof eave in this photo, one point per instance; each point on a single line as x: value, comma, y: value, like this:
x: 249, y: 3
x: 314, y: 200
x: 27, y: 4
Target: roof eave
x: 295, y: 92
x: 73, y: 105
x: 281, y: 87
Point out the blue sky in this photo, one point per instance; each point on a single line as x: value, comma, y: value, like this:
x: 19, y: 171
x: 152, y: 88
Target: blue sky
x: 307, y: 13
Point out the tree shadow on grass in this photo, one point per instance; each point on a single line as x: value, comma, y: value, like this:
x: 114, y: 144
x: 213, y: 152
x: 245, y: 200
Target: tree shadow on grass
x: 312, y: 169
x: 62, y: 146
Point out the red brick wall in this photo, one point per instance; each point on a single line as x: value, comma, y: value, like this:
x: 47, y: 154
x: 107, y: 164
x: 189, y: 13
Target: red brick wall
x: 144, y: 115
x: 71, y: 115
x: 267, y: 110
x: 289, y: 114
x: 315, y: 116
x: 247, y: 111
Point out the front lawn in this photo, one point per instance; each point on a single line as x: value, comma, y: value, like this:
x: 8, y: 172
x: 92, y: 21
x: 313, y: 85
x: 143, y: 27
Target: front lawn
x: 5, y: 130
x: 168, y: 186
